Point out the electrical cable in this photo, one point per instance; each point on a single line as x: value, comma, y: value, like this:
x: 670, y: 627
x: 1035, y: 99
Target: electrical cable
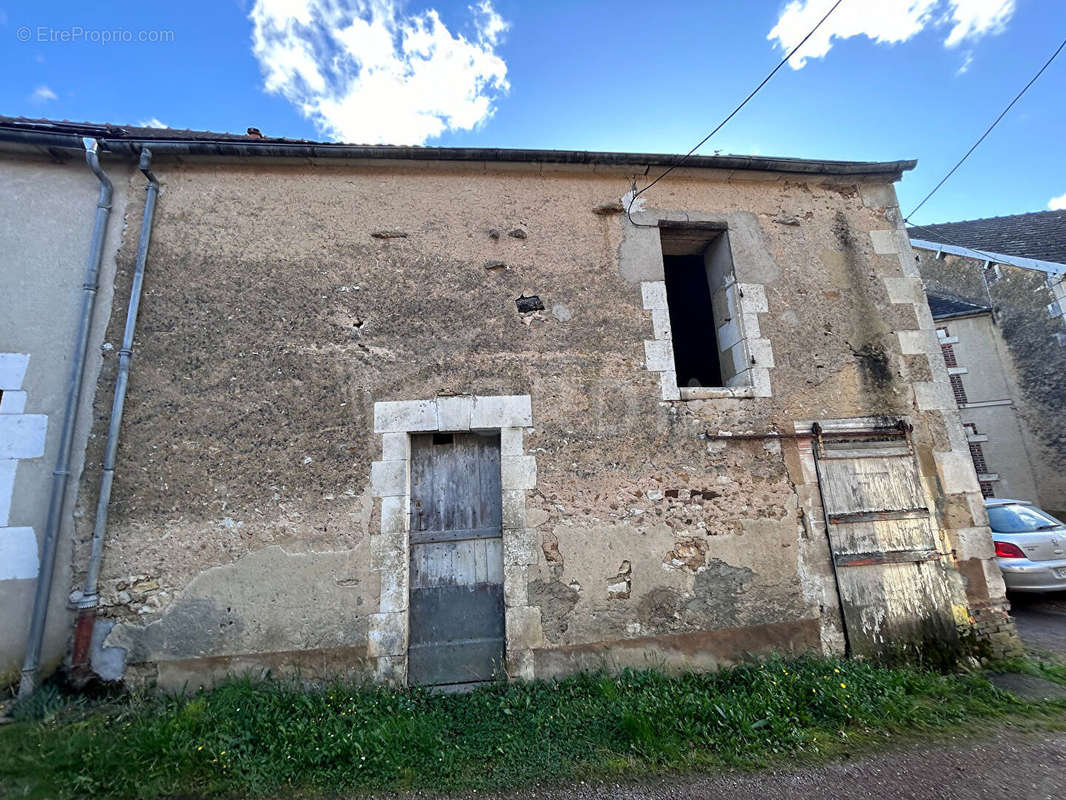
x: 995, y: 122
x: 733, y: 113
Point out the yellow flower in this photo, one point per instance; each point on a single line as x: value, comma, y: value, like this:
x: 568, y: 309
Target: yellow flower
x: 837, y: 671
x: 201, y: 747
x: 843, y: 686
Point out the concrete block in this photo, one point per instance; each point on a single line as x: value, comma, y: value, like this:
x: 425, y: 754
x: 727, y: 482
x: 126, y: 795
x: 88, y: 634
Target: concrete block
x: 750, y: 326
x: 388, y: 478
x: 974, y: 543
x: 518, y: 472
x: 913, y: 343
x: 660, y: 324
x: 387, y: 635
x: 877, y: 195
x: 394, y: 591
x: 933, y: 396
x: 12, y: 402
x: 658, y: 355
x: 391, y: 671
x: 22, y: 435
x: 956, y: 472
x: 393, y: 514
x: 18, y: 554
x: 886, y: 243
x: 13, y: 369
x: 511, y: 441
x: 502, y: 411
x: 394, y: 446
x: 453, y: 413
x: 761, y: 351
x: 405, y: 415
x: 519, y: 547
x: 904, y: 290
x: 514, y: 509
x: 760, y: 381
x: 388, y: 552
x: 753, y: 300
x: 523, y: 626
x: 653, y: 295
x: 668, y: 385
x: 520, y: 665
x: 516, y: 585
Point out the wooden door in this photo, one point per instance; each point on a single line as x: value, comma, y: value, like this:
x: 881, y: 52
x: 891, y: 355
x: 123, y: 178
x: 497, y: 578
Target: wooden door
x: 456, y: 610
x: 893, y: 589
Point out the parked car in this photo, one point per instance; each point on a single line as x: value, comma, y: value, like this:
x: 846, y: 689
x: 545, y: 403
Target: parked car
x: 1030, y: 546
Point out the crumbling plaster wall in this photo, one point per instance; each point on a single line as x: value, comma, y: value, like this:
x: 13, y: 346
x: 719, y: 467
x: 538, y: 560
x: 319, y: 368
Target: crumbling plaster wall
x: 283, y: 301
x: 1036, y: 354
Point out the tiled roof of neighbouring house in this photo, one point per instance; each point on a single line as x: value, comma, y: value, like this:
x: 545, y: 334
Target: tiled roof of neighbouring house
x: 1040, y: 235
x: 942, y: 306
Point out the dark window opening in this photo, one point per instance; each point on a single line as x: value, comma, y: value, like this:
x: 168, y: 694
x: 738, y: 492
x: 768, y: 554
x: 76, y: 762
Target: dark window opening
x: 442, y: 438
x: 692, y: 323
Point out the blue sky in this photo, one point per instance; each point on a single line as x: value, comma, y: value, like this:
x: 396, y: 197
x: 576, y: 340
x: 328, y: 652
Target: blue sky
x: 898, y: 79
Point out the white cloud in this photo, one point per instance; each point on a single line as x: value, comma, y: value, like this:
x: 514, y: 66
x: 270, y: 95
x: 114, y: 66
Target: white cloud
x: 885, y: 22
x: 366, y: 73
x: 1057, y: 203
x: 42, y: 94
x: 974, y: 19
x: 152, y: 122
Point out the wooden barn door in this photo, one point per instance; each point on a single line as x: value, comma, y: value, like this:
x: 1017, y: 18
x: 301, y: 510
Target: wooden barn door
x: 894, y: 592
x: 456, y: 610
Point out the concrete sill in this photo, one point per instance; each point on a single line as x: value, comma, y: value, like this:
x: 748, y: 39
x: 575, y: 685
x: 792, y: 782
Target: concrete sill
x: 716, y: 393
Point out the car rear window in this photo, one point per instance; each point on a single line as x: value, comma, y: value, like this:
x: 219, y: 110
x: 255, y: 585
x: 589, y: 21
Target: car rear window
x: 1019, y: 519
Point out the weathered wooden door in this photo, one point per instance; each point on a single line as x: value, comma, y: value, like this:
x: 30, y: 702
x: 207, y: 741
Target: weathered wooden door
x: 894, y: 592
x: 456, y: 610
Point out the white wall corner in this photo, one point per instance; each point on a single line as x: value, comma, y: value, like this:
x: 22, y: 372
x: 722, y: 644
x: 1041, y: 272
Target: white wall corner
x: 18, y: 554
x: 904, y: 289
x: 913, y: 343
x: 12, y: 402
x: 388, y: 478
x: 660, y: 323
x: 13, y: 370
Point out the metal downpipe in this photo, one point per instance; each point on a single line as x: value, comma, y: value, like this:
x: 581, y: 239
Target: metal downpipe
x: 89, y: 599
x: 61, y: 474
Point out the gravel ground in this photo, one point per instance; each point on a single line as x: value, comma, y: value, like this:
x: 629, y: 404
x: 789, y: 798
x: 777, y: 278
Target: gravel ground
x: 1007, y: 764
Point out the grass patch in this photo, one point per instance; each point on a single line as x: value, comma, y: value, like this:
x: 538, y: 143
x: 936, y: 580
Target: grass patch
x: 259, y: 738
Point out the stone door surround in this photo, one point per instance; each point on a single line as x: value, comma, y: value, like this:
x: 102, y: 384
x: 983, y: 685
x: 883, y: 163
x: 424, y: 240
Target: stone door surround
x: 395, y: 420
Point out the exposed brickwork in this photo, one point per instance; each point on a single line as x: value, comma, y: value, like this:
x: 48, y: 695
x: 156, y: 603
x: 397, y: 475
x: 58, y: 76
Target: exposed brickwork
x: 958, y: 389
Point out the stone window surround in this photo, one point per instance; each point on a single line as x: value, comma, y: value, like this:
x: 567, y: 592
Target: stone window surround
x: 511, y: 415
x: 742, y: 329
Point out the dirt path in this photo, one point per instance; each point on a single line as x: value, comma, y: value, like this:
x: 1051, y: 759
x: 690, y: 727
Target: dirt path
x: 1009, y: 765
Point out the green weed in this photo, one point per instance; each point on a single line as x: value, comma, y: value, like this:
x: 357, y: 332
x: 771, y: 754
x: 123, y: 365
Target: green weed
x: 276, y: 737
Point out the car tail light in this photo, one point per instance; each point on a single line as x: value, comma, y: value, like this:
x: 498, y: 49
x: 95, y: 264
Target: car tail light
x: 1008, y: 550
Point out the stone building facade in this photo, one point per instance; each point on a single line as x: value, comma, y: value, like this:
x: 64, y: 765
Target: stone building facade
x: 1020, y: 354
x: 316, y: 319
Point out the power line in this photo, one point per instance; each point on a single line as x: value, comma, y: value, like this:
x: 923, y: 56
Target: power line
x: 733, y: 113
x: 995, y: 122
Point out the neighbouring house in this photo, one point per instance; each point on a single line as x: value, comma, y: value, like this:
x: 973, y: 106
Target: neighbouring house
x: 439, y: 415
x: 997, y: 289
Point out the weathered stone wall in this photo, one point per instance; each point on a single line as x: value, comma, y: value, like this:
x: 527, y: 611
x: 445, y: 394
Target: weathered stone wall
x: 1036, y: 343
x: 282, y: 302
